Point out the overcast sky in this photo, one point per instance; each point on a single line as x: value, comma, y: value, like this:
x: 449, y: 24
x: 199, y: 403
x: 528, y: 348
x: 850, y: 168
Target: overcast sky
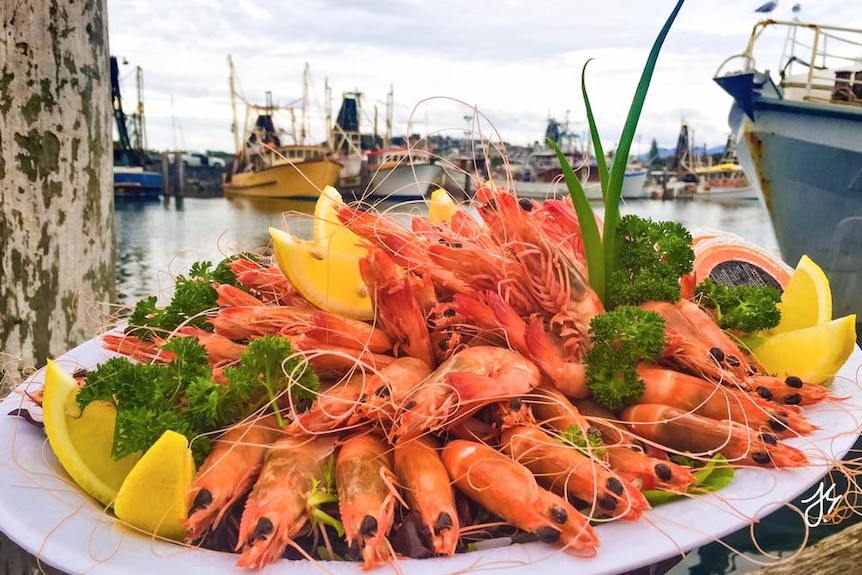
x: 517, y: 61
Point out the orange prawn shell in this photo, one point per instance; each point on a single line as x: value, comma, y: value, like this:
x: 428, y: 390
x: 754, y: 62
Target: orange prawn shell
x: 570, y: 473
x: 279, y: 499
x: 228, y: 472
x: 509, y: 490
x: 364, y: 480
x: 428, y: 490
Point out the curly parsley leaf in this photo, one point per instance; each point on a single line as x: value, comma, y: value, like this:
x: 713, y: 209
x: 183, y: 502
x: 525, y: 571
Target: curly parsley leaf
x: 193, y: 296
x: 182, y: 396
x: 741, y: 307
x: 620, y: 339
x: 652, y: 257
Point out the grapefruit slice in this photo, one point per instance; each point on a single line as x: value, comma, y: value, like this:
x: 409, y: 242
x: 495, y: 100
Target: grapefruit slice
x: 730, y: 260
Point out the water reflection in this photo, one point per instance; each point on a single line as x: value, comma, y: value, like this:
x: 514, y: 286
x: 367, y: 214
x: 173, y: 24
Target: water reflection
x: 156, y: 241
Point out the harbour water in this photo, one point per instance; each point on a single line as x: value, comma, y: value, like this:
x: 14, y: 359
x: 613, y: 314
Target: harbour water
x: 157, y: 241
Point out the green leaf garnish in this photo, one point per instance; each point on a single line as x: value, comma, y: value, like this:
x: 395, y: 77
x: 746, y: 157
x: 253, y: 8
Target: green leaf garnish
x: 602, y: 251
x: 715, y: 474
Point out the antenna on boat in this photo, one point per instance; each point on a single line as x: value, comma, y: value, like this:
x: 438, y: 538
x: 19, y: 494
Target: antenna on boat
x: 233, y: 126
x: 302, y: 128
x: 389, y: 105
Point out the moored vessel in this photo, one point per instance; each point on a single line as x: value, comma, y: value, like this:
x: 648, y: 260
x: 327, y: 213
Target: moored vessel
x: 265, y: 167
x: 799, y: 139
x: 402, y: 173
x: 134, y: 175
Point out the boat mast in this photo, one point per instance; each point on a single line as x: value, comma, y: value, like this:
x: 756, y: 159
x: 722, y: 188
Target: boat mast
x: 330, y: 136
x: 140, y: 127
x: 389, y: 105
x: 302, y: 127
x: 233, y: 126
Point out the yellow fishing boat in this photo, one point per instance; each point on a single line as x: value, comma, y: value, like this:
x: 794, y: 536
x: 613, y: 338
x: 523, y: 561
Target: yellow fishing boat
x: 265, y: 168
x: 283, y: 172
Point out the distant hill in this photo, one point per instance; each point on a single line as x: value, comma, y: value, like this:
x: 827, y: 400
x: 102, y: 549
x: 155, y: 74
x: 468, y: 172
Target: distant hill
x: 665, y: 153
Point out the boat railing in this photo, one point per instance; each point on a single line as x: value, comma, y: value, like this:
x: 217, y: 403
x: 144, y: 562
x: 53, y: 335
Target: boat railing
x: 819, y: 62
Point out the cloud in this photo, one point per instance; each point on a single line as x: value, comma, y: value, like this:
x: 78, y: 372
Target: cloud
x: 518, y: 61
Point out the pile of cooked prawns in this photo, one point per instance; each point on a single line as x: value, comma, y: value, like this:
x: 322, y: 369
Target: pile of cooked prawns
x: 453, y: 411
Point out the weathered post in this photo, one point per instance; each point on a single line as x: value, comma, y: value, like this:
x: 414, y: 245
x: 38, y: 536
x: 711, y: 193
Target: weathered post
x: 166, y: 177
x: 56, y: 203
x: 181, y: 174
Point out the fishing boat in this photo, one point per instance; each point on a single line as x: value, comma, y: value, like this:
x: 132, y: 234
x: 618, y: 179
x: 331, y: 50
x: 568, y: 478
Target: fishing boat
x: 348, y: 144
x: 540, y: 176
x: 135, y: 176
x: 724, y: 181
x: 265, y: 167
x: 799, y: 138
x: 402, y: 172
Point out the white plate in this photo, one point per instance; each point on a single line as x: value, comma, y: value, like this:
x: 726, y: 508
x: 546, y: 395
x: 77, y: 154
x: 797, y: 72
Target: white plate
x: 43, y: 512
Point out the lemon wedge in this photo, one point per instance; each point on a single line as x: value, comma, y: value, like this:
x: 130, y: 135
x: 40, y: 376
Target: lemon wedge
x: 441, y: 207
x: 814, y: 354
x: 328, y: 278
x: 82, y: 440
x: 329, y: 231
x: 325, y: 269
x: 807, y: 300
x: 153, y: 496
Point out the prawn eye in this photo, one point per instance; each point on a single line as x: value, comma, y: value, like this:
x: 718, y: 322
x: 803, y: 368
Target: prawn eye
x: 761, y: 457
x: 559, y: 514
x: 548, y: 534
x: 202, y: 500
x: 368, y: 527
x: 615, y: 486
x: 793, y: 399
x: 526, y: 204
x: 768, y: 439
x: 263, y: 528
x: 663, y: 471
x: 444, y: 522
x: 793, y: 381
x: 777, y: 423
x: 607, y: 502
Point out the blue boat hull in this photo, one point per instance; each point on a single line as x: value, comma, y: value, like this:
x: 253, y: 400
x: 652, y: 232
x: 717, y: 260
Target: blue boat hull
x: 137, y: 185
x: 805, y: 161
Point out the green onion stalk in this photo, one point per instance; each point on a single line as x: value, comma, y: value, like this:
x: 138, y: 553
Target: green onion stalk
x: 602, y: 250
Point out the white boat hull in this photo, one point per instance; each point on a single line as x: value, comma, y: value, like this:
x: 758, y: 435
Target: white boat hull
x: 730, y: 194
x: 805, y: 161
x: 633, y: 188
x: 405, y: 182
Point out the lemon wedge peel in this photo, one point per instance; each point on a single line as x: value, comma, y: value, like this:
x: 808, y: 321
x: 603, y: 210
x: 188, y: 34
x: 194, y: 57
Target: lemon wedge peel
x: 814, y: 354
x: 441, y: 206
x: 325, y: 270
x: 82, y: 440
x: 153, y: 498
x: 807, y: 299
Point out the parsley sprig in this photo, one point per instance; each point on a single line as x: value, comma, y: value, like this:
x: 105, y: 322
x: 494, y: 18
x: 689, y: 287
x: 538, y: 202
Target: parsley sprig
x: 193, y: 295
x: 603, y: 250
x: 182, y: 396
